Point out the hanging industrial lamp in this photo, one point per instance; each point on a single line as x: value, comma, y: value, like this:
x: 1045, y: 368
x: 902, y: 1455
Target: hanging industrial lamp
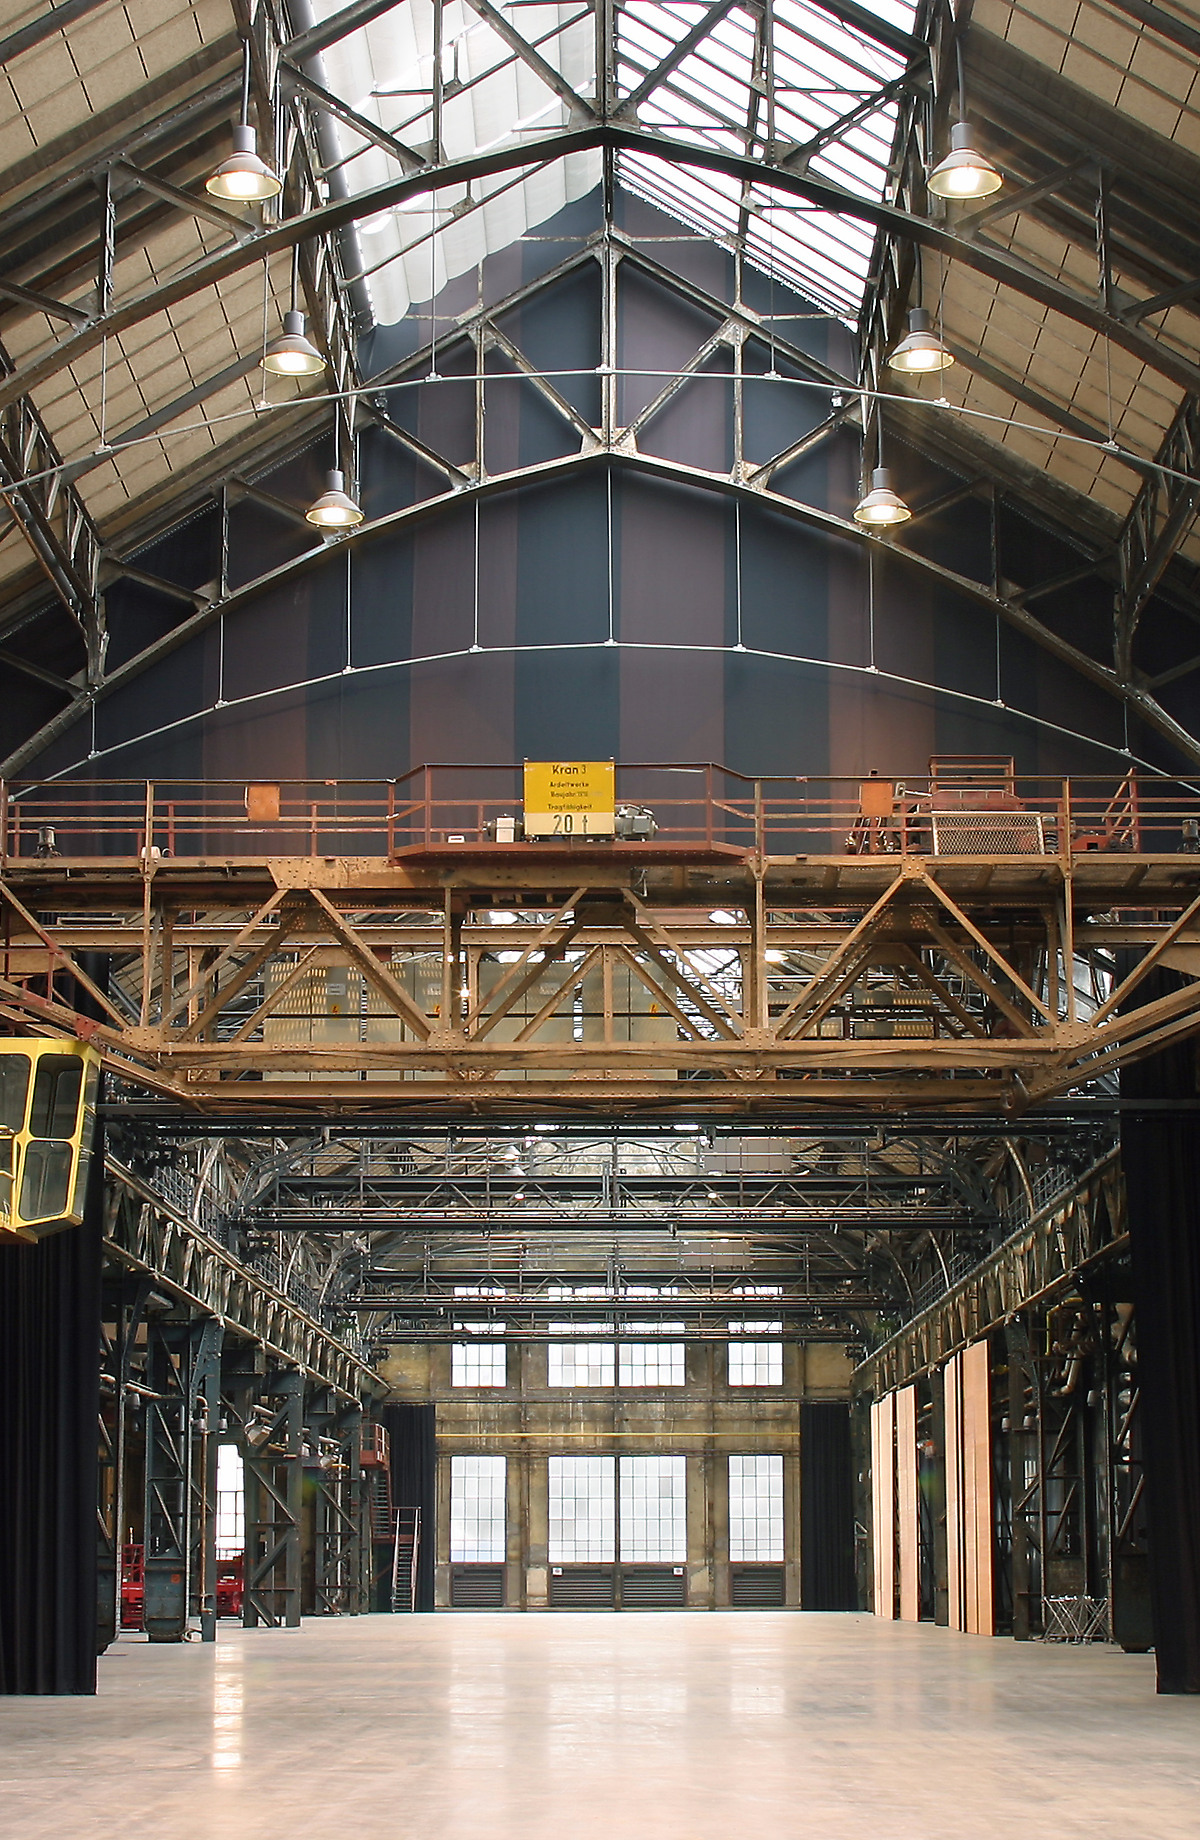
x: 244, y: 178
x: 881, y: 505
x: 965, y: 172
x: 921, y: 349
x: 335, y: 509
x: 293, y: 354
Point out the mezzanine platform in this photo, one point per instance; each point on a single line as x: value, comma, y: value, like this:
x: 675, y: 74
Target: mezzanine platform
x: 948, y: 942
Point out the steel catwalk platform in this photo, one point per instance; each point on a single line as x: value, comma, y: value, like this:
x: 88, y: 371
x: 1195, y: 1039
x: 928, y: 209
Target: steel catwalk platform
x: 703, y: 973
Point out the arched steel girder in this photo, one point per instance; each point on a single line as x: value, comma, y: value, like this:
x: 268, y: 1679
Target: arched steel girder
x: 650, y: 466
x: 986, y: 259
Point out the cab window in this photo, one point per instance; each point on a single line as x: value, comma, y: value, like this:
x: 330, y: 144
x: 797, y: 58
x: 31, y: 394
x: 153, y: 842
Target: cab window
x: 56, y: 1088
x: 14, y: 1089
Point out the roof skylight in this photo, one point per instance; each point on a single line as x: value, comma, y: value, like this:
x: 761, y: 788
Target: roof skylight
x: 818, y: 95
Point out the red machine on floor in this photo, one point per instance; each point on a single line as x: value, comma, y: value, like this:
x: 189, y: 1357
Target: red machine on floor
x: 133, y: 1587
x: 230, y: 1585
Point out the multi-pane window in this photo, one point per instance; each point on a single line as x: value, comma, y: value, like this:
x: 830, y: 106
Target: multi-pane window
x: 479, y: 1364
x: 653, y: 1509
x: 650, y: 1364
x: 628, y: 1364
x: 582, y: 1510
x: 580, y: 1363
x: 755, y: 1362
x: 231, y: 1502
x: 477, y: 1513
x: 756, y: 1508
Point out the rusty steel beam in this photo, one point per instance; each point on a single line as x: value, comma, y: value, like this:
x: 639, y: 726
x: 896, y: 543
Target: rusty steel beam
x: 941, y: 989
x: 1040, y: 1260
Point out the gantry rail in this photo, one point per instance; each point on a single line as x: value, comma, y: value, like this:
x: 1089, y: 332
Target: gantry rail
x: 949, y: 940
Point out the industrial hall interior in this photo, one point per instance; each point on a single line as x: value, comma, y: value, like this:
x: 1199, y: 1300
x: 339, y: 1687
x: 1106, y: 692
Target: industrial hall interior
x: 600, y: 918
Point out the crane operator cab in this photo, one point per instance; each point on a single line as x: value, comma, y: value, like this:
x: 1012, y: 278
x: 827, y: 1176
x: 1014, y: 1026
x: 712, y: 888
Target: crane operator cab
x: 47, y: 1124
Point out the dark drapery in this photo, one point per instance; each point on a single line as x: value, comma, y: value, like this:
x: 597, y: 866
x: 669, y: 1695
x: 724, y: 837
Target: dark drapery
x: 1160, y: 1150
x: 826, y: 1508
x: 49, y: 1406
x: 412, y: 1432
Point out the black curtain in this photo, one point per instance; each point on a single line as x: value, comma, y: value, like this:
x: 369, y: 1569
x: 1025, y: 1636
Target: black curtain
x: 826, y: 1508
x: 1160, y: 1150
x: 413, y: 1435
x: 49, y: 1408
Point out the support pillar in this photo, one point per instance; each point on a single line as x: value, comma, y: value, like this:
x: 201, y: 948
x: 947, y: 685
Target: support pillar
x: 1160, y: 1151
x: 206, y: 1388
x: 274, y: 1483
x: 49, y: 1409
x: 169, y: 1477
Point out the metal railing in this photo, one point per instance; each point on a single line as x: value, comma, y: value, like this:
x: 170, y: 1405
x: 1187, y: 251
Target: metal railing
x: 986, y: 809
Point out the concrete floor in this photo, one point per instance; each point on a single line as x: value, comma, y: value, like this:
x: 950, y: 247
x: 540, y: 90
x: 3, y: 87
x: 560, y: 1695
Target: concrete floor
x: 653, y: 1726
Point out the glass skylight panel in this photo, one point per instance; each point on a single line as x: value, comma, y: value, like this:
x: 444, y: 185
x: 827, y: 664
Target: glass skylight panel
x: 478, y: 1522
x: 384, y: 71
x: 822, y: 69
x: 653, y: 1510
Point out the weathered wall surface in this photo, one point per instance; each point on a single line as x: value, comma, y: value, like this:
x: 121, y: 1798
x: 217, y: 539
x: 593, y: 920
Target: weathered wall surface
x: 706, y: 1421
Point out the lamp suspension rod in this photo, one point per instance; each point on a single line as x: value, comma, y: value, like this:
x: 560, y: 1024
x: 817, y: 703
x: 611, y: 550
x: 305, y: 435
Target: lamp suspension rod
x: 245, y: 116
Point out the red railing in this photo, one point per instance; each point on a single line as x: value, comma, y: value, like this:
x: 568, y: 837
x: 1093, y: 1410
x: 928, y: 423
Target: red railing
x: 701, y: 808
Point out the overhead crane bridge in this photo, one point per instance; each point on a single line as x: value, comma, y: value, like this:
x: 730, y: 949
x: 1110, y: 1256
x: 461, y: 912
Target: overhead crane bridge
x: 393, y: 947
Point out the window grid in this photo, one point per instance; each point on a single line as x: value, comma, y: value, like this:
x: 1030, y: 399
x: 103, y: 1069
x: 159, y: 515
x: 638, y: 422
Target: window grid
x: 650, y: 1364
x: 231, y: 1502
x: 756, y: 1509
x: 479, y: 1364
x: 478, y: 1521
x: 653, y: 1510
x: 582, y: 1511
x: 580, y: 1364
x: 756, y: 1363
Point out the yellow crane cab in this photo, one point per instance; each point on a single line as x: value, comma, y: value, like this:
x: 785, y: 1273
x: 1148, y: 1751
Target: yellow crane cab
x: 47, y: 1124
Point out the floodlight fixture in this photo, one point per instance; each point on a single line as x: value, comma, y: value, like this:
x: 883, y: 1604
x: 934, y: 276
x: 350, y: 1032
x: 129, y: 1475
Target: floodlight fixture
x: 965, y: 173
x: 244, y: 178
x: 881, y: 507
x: 335, y: 509
x: 293, y: 353
x: 921, y: 349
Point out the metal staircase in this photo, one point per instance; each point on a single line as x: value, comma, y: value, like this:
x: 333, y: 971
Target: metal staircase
x: 405, y: 1556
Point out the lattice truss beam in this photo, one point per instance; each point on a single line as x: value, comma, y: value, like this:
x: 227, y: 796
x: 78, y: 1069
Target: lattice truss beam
x: 979, y: 982
x: 114, y: 244
x: 1046, y: 1258
x: 832, y: 1237
x: 147, y: 1237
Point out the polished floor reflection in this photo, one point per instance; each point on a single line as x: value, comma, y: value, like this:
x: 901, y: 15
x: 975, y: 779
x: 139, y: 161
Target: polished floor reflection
x: 660, y: 1726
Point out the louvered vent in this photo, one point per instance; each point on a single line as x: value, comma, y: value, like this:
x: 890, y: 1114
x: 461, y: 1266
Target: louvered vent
x: 477, y: 1587
x: 757, y: 1587
x: 653, y: 1587
x: 579, y: 1587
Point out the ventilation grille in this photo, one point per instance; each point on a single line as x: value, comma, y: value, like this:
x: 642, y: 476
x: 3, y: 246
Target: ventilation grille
x: 576, y: 1587
x: 477, y: 1587
x: 757, y: 1587
x: 654, y: 1587
x: 988, y: 833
